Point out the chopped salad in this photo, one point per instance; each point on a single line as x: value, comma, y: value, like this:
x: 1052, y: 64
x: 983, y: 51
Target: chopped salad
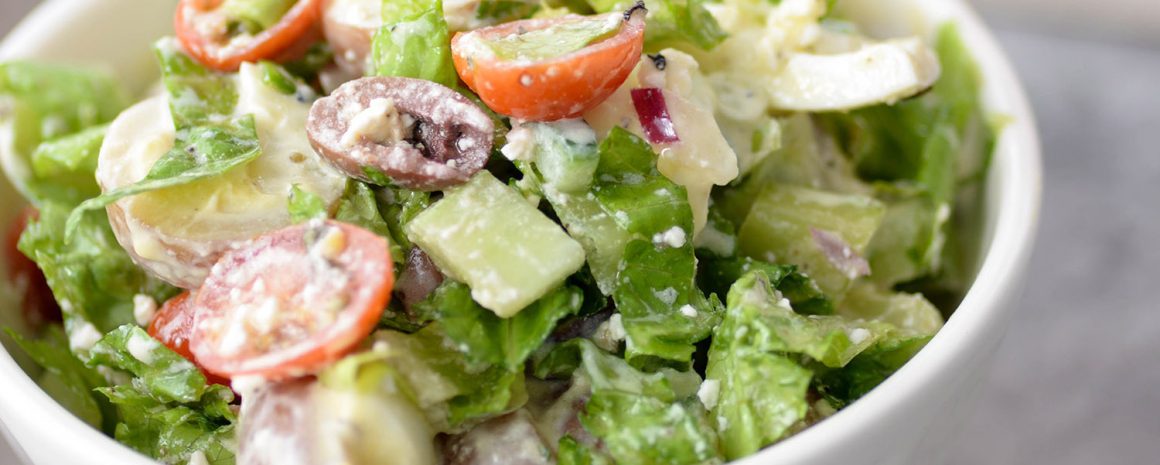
x: 471, y: 232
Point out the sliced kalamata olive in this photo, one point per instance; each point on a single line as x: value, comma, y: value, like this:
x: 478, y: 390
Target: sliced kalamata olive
x: 420, y: 134
x: 418, y: 279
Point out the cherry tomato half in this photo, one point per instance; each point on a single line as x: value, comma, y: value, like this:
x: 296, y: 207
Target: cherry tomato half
x: 514, y: 69
x: 173, y: 325
x: 204, y: 33
x: 291, y: 301
x: 38, y: 304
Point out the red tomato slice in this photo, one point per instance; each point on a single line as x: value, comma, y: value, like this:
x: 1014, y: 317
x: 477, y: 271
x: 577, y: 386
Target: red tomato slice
x: 292, y: 301
x: 203, y: 33
x: 554, y: 88
x: 38, y: 304
x: 173, y: 325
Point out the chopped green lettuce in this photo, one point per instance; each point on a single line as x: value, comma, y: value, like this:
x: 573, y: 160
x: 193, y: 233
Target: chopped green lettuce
x: 672, y: 23
x: 648, y: 431
x: 305, y: 205
x: 646, y: 418
x: 717, y: 275
x: 157, y: 371
x: 930, y: 146
x: 209, y: 139
x: 754, y: 363
x: 63, y: 168
x: 785, y: 223
x: 487, y: 338
x: 414, y: 42
x: 43, y: 101
x: 167, y: 411
x: 67, y: 379
x: 90, y: 275
x: 452, y: 391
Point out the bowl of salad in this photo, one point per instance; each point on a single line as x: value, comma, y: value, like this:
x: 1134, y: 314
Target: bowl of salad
x: 523, y: 232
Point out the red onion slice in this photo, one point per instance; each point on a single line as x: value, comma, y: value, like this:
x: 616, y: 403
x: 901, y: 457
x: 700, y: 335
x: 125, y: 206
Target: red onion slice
x: 654, y: 115
x: 840, y: 254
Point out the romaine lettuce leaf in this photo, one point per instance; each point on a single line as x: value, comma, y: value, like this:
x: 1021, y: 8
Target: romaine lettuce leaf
x: 305, y: 205
x: 42, y: 102
x: 63, y: 168
x: 67, y: 379
x: 717, y: 275
x: 209, y: 141
x: 451, y: 390
x: 648, y: 418
x: 90, y: 275
x: 486, y: 338
x: 672, y: 23
x: 157, y: 371
x: 166, y: 411
x: 414, y: 42
x: 759, y: 383
x: 648, y: 431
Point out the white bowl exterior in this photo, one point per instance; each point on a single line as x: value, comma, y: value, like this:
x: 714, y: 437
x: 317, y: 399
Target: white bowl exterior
x: 904, y: 421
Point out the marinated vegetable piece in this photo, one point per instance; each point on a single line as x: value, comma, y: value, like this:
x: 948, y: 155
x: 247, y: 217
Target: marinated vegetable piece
x: 511, y: 439
x: 550, y: 69
x: 224, y: 34
x: 420, y: 134
x: 177, y: 233
x: 877, y: 73
x: 291, y: 301
x: 822, y: 232
x: 419, y: 279
x: 486, y: 235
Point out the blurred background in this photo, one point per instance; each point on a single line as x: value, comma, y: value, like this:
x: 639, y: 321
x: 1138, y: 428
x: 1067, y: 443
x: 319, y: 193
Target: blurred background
x: 1077, y: 378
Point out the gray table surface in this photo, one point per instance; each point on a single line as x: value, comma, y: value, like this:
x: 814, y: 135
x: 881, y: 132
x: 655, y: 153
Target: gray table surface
x: 1077, y: 380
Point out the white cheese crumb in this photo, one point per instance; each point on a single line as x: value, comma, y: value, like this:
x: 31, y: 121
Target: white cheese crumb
x: 83, y: 338
x: 688, y: 311
x: 673, y: 237
x: 144, y: 309
x: 197, y: 458
x: 330, y: 245
x: 380, y: 122
x: 521, y: 144
x: 708, y: 393
x: 141, y: 348
x: 247, y: 384
x: 858, y: 335
x: 609, y: 334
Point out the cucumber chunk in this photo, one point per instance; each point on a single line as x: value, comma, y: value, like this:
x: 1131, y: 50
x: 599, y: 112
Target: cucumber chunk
x: 485, y: 234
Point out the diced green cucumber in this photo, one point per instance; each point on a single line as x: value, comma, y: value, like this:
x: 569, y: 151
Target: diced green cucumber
x: 485, y: 234
x: 778, y: 230
x: 566, y: 154
x: 264, y: 13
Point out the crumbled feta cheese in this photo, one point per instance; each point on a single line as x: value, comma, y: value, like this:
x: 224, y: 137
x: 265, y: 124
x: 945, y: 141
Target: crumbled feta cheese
x: 688, y: 311
x: 144, y: 309
x: 83, y: 337
x: 521, y: 144
x: 858, y: 335
x: 609, y: 334
x: 380, y: 123
x: 673, y: 237
x: 197, y: 458
x: 142, y: 347
x: 709, y: 392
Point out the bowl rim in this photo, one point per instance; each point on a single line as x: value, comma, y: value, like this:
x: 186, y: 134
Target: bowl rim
x: 1014, y: 183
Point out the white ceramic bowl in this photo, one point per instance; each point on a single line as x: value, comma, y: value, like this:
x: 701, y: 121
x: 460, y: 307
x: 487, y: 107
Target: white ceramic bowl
x: 903, y: 421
